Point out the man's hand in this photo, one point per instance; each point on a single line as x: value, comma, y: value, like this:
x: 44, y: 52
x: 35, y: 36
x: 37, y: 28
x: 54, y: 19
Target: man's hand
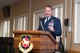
x: 51, y: 28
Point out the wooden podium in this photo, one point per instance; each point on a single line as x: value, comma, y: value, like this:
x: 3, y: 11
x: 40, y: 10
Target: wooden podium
x: 43, y: 41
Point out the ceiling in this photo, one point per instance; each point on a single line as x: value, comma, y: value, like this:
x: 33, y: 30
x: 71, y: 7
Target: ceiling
x: 6, y: 2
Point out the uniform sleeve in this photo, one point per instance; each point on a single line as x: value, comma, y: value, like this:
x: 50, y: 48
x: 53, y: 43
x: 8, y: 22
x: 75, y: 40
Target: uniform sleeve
x: 39, y: 28
x: 57, y: 27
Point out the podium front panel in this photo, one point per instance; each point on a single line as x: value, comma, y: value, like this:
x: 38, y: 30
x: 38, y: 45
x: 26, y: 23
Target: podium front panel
x: 41, y: 43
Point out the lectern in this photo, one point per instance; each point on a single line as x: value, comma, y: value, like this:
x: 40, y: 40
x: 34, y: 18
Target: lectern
x: 43, y: 41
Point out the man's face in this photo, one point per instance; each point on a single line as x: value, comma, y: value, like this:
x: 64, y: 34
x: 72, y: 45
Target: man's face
x: 48, y: 11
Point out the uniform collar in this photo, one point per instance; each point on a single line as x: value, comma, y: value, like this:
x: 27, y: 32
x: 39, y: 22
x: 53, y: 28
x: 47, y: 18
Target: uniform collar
x: 49, y: 17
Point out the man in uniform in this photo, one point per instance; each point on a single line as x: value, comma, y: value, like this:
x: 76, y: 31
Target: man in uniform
x: 50, y: 23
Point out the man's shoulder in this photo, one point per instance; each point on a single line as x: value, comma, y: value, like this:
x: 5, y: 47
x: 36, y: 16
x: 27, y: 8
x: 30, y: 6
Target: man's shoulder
x: 55, y: 18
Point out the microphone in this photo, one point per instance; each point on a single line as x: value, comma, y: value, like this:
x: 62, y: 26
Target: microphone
x: 40, y: 20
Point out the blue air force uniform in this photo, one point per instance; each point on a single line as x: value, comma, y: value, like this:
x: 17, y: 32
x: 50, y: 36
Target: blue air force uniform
x: 54, y: 22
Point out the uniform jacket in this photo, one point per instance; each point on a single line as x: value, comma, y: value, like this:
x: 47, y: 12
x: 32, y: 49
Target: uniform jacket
x: 55, y: 22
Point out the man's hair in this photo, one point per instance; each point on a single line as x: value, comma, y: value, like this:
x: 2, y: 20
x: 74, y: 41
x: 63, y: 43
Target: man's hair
x: 48, y: 6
